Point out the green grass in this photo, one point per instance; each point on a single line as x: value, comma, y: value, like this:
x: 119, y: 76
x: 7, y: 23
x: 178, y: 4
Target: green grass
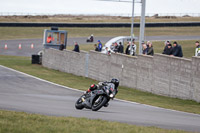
x: 18, y: 122
x: 37, y: 32
x: 24, y: 64
x: 188, y: 47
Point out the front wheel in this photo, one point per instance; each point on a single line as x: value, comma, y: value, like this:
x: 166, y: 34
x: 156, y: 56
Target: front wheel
x: 99, y: 102
x: 79, y: 104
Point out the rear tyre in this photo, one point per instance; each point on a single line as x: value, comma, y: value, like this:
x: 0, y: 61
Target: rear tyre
x: 99, y: 102
x: 79, y: 104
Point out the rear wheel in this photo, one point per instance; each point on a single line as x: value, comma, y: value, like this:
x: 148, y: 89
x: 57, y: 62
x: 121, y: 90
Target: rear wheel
x: 79, y: 104
x: 99, y: 102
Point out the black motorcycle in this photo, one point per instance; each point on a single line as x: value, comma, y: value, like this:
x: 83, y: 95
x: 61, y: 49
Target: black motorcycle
x: 96, y: 99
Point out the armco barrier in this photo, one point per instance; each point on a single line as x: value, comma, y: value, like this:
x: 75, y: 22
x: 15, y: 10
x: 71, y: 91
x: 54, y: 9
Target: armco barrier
x: 172, y: 24
x: 160, y: 74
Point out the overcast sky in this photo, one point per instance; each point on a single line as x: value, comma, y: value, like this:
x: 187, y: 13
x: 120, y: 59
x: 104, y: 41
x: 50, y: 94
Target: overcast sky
x: 97, y: 7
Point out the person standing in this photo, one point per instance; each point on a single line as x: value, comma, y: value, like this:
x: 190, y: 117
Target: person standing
x: 76, y: 47
x: 95, y: 47
x: 112, y: 47
x: 99, y: 46
x: 61, y: 47
x: 166, y: 46
x: 177, y: 50
x: 133, y: 49
x: 150, y: 50
x: 121, y: 48
x: 197, y: 50
x: 50, y: 39
x: 108, y: 51
x: 144, y: 50
x: 128, y: 48
x: 168, y: 50
x: 116, y: 49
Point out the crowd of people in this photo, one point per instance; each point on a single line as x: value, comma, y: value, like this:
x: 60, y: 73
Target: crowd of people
x: 171, y: 49
x: 176, y: 50
x: 147, y: 49
x: 131, y: 49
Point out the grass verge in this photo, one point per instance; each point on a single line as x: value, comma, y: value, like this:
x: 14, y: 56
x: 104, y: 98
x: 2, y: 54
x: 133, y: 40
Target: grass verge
x: 24, y: 64
x: 37, y: 32
x: 16, y: 122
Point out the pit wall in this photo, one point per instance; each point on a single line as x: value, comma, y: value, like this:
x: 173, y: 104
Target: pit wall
x: 160, y: 74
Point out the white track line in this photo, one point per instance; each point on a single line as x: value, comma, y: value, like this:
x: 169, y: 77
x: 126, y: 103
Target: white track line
x: 83, y: 91
x: 43, y: 80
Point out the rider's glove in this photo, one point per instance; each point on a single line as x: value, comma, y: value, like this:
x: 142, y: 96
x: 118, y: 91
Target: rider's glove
x: 87, y: 91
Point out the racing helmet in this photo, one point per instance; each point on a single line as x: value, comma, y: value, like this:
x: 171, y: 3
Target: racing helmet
x: 93, y: 87
x: 115, y: 82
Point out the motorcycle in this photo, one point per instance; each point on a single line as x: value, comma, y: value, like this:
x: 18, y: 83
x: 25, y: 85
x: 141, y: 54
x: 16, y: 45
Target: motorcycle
x: 96, y: 99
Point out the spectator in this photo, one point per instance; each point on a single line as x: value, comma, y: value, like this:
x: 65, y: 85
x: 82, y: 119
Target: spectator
x: 177, y: 50
x: 150, y: 50
x: 168, y: 50
x: 166, y: 46
x: 99, y: 46
x: 133, y: 50
x: 108, y: 51
x: 148, y: 42
x: 116, y: 48
x: 49, y: 39
x: 127, y: 48
x: 61, y: 47
x: 121, y: 48
x: 76, y: 47
x: 197, y: 50
x: 95, y: 47
x: 144, y: 49
x: 112, y: 47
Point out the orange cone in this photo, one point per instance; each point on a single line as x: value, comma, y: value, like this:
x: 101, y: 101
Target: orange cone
x: 6, y: 46
x: 20, y: 46
x: 32, y: 46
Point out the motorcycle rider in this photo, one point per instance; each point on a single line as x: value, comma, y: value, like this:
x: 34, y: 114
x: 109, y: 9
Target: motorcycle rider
x: 114, y: 83
x: 92, y: 87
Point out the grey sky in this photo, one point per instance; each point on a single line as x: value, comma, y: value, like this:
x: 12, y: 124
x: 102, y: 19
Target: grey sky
x: 97, y: 7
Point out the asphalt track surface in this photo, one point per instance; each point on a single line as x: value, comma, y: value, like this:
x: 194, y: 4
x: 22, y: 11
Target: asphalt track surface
x: 22, y: 92
x: 27, y: 51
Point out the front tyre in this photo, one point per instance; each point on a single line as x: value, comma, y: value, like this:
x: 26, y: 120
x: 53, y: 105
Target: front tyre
x: 79, y: 104
x: 99, y: 102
